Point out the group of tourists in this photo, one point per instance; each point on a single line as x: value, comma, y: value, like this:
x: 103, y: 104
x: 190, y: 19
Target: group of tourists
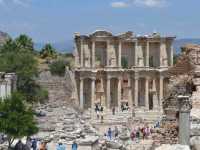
x: 124, y: 107
x: 140, y: 133
x: 33, y: 144
x: 135, y: 134
x: 111, y: 134
x: 99, y: 111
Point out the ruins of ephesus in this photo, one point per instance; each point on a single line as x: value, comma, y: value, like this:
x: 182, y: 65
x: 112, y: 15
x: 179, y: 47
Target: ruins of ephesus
x: 7, y: 84
x: 125, y: 68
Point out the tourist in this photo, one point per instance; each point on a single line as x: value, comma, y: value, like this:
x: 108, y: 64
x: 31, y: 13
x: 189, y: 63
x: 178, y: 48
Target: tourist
x: 101, y: 109
x: 26, y: 147
x: 60, y: 146
x: 42, y: 146
x: 19, y: 145
x: 133, y: 135
x: 116, y: 132
x: 28, y: 142
x: 109, y: 133
x: 97, y: 114
x: 122, y: 107
x: 96, y: 108
x: 101, y: 117
x: 113, y: 110
x: 74, y: 146
x: 34, y: 144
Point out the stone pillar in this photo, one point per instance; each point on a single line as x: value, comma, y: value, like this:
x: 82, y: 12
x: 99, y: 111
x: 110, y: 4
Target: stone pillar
x: 81, y: 103
x: 130, y: 99
x: 119, y: 94
x: 136, y: 90
x: 147, y: 93
x: 172, y: 55
x: 108, y: 92
x: 107, y: 53
x: 93, y: 98
x: 161, y: 90
x: 93, y: 54
x: 155, y: 98
x: 136, y: 54
x: 185, y: 106
x: 119, y: 53
x: 147, y: 54
x: 81, y: 51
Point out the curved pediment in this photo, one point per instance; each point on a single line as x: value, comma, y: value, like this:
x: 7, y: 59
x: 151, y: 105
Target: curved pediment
x: 101, y: 33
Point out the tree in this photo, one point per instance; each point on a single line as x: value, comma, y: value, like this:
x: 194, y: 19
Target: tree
x: 16, y: 119
x: 58, y: 67
x: 24, y: 43
x: 17, y: 56
x: 48, y: 52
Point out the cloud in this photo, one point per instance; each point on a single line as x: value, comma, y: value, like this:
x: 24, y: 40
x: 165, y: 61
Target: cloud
x: 139, y: 3
x: 23, y: 3
x: 119, y: 4
x: 150, y: 3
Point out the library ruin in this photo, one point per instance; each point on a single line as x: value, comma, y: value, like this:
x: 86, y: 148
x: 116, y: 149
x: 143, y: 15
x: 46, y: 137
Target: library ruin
x: 112, y: 70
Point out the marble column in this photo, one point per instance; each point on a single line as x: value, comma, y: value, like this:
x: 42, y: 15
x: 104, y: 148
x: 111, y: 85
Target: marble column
x: 108, y: 98
x: 107, y: 53
x: 136, y: 54
x: 93, y: 54
x: 8, y: 87
x: 147, y: 54
x: 136, y: 90
x: 185, y: 106
x: 93, y: 98
x: 119, y: 53
x: 147, y: 93
x: 119, y: 94
x: 171, y: 55
x: 81, y: 103
x: 130, y: 98
x: 155, y: 97
x: 81, y: 51
x: 161, y: 90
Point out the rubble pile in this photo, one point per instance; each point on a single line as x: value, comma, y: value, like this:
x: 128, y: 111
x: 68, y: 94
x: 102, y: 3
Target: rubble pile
x: 167, y: 134
x: 57, y: 118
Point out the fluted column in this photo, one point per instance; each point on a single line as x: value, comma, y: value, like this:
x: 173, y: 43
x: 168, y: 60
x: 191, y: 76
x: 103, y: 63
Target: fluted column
x: 93, y: 54
x: 161, y: 90
x: 107, y: 53
x: 119, y: 53
x: 119, y: 94
x: 81, y: 51
x: 172, y: 55
x: 136, y: 90
x: 108, y: 92
x: 92, y: 93
x: 136, y: 54
x: 155, y: 98
x: 81, y: 103
x: 147, y: 93
x: 147, y: 54
x: 130, y: 98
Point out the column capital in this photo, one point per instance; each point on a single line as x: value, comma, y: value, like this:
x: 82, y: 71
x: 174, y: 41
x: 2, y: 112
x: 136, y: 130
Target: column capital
x: 185, y: 105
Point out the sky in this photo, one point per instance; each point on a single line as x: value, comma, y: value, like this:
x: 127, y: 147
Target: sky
x: 57, y: 20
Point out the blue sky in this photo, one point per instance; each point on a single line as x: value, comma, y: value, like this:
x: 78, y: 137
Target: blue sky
x: 57, y: 20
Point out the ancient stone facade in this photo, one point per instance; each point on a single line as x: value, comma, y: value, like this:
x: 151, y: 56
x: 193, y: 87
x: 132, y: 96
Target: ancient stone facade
x: 117, y: 69
x: 7, y: 84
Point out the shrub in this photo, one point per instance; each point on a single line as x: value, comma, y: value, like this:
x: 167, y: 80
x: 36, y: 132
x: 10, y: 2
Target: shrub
x: 58, y: 67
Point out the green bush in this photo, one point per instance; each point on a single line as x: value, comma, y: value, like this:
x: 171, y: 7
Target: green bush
x: 58, y: 67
